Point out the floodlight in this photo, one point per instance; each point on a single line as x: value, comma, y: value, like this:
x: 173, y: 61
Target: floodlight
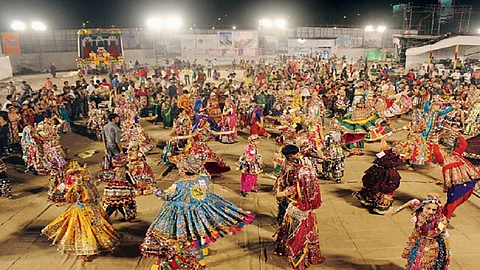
x: 280, y: 23
x: 39, y: 26
x: 267, y: 23
x: 19, y: 26
x: 174, y: 22
x: 479, y: 30
x: 381, y: 28
x: 234, y: 27
x: 155, y: 23
x: 369, y: 28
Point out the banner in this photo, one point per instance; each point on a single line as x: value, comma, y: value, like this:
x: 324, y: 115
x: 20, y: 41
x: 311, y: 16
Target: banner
x: 206, y: 42
x: 225, y: 40
x: 187, y: 42
x: 245, y: 39
x: 10, y: 43
x: 174, y: 47
x: 373, y: 40
x: 447, y: 10
x: 130, y: 42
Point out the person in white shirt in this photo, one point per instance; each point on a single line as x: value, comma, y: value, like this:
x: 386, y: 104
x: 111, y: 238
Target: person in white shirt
x: 456, y: 78
x: 9, y: 101
x: 467, y: 77
x: 422, y: 72
x: 131, y: 65
x: 91, y: 88
x: 97, y: 79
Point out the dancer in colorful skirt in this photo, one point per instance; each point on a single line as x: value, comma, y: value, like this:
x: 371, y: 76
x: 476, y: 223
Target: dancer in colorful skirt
x: 333, y: 163
x: 33, y: 152
x: 459, y: 175
x: 380, y: 181
x: 362, y: 124
x: 197, y: 145
x: 213, y: 108
x: 192, y: 217
x: 5, y: 187
x: 427, y: 247
x: 229, y: 123
x: 431, y: 113
x: 182, y: 126
x: 298, y: 237
x: 166, y: 113
x: 251, y: 165
x: 415, y: 150
x: 141, y: 171
x: 472, y: 152
x: 256, y: 120
x: 119, y: 192
x: 84, y: 228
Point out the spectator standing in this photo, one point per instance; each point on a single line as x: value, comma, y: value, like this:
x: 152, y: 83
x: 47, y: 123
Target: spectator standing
x: 111, y: 134
x: 12, y: 90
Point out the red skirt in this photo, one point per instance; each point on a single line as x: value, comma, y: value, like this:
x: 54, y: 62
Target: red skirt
x: 256, y: 129
x: 353, y: 138
x: 216, y: 168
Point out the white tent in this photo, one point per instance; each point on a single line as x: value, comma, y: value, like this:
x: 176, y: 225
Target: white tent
x: 469, y: 46
x: 5, y: 67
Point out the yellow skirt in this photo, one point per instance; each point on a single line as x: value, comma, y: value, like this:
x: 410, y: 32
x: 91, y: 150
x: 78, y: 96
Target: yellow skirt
x: 82, y: 230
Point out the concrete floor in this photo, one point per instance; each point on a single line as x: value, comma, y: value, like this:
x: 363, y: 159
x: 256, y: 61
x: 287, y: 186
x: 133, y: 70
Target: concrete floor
x: 351, y: 238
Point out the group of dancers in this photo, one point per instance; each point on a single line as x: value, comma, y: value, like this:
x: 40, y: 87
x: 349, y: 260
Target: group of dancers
x: 294, y: 98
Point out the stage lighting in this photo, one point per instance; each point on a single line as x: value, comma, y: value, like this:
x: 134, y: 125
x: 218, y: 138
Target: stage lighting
x: 174, y: 23
x: 280, y: 23
x: 381, y: 28
x: 155, y: 23
x: 369, y: 28
x: 39, y: 26
x: 19, y: 26
x: 267, y: 23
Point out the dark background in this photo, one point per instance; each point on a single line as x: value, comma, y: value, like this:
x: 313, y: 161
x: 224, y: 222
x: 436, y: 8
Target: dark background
x: 61, y: 14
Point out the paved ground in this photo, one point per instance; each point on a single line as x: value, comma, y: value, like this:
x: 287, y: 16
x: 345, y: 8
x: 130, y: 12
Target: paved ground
x: 351, y: 238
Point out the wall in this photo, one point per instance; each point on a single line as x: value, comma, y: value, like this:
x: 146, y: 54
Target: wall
x: 143, y: 56
x: 62, y: 60
x: 350, y: 53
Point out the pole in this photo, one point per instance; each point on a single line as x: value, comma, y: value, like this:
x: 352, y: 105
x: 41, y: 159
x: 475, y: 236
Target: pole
x: 41, y: 51
x: 429, y: 61
x: 456, y: 56
x: 461, y: 22
x: 469, y: 16
x: 439, y: 23
x: 410, y: 21
x: 433, y: 22
x: 155, y: 48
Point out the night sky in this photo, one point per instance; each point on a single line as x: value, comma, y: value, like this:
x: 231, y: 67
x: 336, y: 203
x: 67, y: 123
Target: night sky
x: 61, y: 14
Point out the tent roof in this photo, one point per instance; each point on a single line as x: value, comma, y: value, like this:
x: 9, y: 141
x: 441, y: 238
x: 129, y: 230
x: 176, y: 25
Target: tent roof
x: 445, y: 43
